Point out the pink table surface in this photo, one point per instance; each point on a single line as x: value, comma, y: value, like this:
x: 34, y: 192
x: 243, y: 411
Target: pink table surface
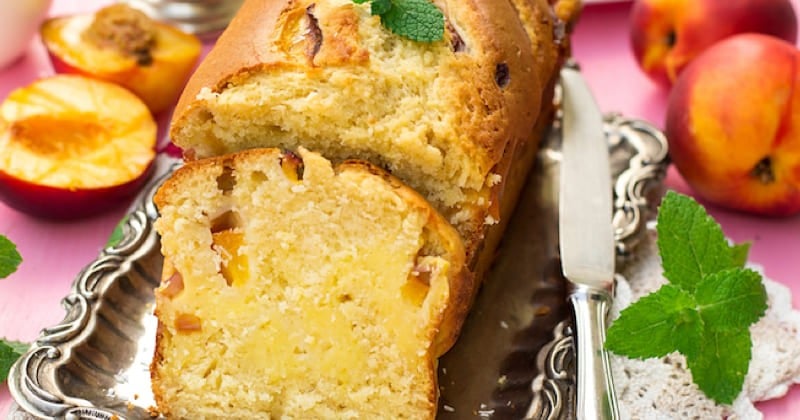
x: 55, y: 252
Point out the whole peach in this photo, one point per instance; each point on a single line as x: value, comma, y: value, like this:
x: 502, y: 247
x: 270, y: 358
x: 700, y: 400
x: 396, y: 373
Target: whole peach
x: 733, y: 126
x: 667, y: 34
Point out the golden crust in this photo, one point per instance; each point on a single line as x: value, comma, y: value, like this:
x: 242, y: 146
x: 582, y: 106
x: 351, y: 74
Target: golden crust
x: 546, y: 29
x: 237, y: 53
x: 161, y: 408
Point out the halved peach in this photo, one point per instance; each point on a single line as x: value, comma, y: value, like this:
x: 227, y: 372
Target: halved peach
x: 122, y: 45
x: 72, y: 146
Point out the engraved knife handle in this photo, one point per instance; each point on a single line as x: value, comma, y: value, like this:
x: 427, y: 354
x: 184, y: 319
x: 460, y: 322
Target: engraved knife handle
x: 596, y: 397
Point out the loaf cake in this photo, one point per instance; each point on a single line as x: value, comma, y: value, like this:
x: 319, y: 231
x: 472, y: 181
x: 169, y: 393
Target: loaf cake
x: 355, y: 281
x: 452, y: 119
x: 293, y: 288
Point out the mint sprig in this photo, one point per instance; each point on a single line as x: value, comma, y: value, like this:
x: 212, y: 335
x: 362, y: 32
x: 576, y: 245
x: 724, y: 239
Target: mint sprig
x: 417, y: 20
x: 9, y: 257
x: 706, y: 309
x: 10, y: 351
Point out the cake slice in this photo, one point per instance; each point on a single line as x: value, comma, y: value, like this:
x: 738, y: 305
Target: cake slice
x: 296, y: 289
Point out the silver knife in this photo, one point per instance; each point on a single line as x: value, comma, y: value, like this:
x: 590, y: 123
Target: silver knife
x: 586, y: 241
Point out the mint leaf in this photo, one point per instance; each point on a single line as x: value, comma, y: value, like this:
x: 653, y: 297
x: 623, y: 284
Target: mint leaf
x: 731, y: 299
x: 117, y: 234
x: 720, y: 367
x: 690, y: 242
x: 18, y: 346
x: 10, y: 351
x: 739, y: 254
x: 380, y: 7
x: 9, y: 257
x: 377, y: 7
x: 417, y: 20
x: 656, y: 325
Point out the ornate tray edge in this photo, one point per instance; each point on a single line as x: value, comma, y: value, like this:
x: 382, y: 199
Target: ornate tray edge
x: 636, y: 193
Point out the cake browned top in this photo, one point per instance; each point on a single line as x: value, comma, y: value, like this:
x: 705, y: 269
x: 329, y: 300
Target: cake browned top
x: 505, y: 51
x: 445, y: 117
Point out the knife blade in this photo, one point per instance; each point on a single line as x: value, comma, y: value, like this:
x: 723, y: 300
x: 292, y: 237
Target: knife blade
x: 586, y: 241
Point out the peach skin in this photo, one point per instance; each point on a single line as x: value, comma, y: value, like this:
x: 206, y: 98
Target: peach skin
x: 667, y: 34
x: 732, y: 125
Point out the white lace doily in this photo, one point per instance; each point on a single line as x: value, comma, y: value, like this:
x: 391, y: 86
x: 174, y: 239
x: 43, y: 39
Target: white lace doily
x: 657, y: 389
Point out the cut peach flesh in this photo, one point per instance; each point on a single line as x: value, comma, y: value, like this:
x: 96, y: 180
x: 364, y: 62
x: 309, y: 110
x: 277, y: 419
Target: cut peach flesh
x: 74, y: 133
x: 417, y: 288
x: 235, y: 266
x: 172, y: 286
x: 186, y: 323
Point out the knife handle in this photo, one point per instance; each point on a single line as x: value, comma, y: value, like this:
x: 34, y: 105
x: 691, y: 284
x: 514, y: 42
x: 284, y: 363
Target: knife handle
x: 596, y: 396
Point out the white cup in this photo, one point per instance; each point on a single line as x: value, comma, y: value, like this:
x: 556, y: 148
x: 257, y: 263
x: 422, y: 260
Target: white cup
x: 19, y: 22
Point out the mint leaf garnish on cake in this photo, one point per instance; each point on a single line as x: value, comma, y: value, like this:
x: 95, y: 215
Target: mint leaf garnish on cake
x: 417, y: 20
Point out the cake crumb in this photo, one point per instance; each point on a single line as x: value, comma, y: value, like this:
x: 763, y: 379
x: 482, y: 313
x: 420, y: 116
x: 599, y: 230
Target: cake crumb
x: 448, y: 408
x: 493, y: 179
x: 206, y: 94
x: 485, y: 413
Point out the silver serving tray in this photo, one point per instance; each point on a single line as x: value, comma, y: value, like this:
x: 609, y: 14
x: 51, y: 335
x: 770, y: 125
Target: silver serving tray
x: 513, y: 358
